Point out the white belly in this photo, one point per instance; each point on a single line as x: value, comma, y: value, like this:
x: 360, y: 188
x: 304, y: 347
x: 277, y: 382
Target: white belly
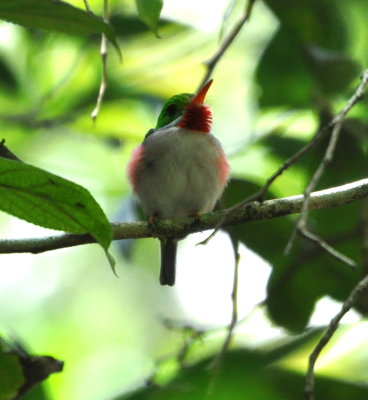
x: 180, y: 173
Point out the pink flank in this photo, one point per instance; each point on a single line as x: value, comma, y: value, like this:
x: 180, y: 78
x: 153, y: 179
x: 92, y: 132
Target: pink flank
x: 224, y: 168
x: 133, y: 166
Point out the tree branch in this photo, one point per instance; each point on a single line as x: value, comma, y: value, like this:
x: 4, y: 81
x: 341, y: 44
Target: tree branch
x: 328, y: 198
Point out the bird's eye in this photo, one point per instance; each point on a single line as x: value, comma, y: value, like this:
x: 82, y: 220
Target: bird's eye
x: 171, y: 109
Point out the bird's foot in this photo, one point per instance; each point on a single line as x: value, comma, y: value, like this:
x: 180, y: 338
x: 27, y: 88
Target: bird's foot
x: 197, y: 218
x: 152, y: 224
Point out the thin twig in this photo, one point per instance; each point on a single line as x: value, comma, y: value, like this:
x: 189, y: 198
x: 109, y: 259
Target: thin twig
x: 104, y: 54
x: 334, y: 323
x: 86, y: 5
x: 229, y: 9
x: 301, y: 226
x: 336, y: 121
x: 364, y: 233
x: 180, y: 356
x: 234, y: 302
x: 326, y: 247
x: 183, y: 352
x: 216, y: 365
x: 212, y: 62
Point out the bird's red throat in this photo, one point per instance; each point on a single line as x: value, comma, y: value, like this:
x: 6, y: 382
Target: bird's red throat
x: 197, y: 117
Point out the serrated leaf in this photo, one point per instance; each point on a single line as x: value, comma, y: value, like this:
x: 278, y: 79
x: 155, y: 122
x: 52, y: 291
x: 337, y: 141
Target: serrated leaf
x: 50, y: 201
x: 56, y: 16
x: 149, y: 12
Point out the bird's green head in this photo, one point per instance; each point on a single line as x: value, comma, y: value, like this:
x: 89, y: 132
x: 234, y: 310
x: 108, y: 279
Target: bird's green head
x: 173, y: 109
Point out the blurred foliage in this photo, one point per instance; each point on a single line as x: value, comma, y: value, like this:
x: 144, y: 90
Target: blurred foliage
x: 149, y: 12
x: 55, y: 16
x: 245, y: 374
x: 11, y: 378
x: 290, y: 70
x: 20, y: 372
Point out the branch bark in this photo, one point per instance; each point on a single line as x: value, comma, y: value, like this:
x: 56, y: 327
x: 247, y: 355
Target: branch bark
x: 328, y: 198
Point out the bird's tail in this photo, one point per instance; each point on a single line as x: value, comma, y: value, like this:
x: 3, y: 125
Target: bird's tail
x: 168, y: 261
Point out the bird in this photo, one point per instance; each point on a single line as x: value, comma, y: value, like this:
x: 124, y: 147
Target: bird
x: 180, y: 169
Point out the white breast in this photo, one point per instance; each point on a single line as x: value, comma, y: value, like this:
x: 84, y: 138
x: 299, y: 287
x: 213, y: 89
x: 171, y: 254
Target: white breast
x: 180, y: 173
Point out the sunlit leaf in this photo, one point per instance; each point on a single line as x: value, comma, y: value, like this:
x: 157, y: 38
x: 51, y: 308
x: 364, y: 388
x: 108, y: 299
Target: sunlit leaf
x: 55, y: 16
x: 149, y: 12
x: 47, y: 200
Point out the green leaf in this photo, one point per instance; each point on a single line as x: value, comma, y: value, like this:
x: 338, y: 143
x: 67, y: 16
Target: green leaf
x: 47, y: 200
x: 283, y: 73
x: 333, y: 70
x: 302, y: 70
x: 11, y: 375
x: 55, y: 16
x: 38, y: 392
x: 8, y: 80
x: 149, y: 12
x: 245, y: 374
x: 308, y: 57
x: 21, y: 373
x: 321, y: 22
